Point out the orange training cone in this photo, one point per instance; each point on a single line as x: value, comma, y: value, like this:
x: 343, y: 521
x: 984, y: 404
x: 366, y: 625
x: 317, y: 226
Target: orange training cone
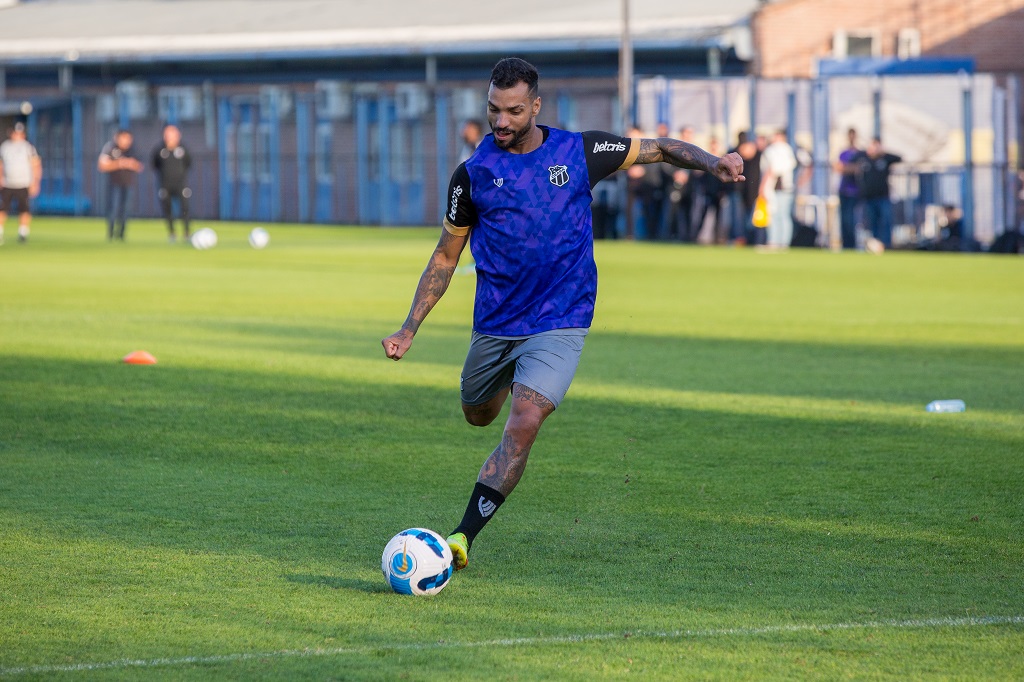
x: 139, y: 357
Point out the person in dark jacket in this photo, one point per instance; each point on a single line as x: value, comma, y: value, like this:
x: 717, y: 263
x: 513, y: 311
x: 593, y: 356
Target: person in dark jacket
x: 171, y: 163
x: 117, y: 160
x: 873, y: 168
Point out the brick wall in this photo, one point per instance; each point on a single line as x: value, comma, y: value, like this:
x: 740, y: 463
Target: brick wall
x: 790, y: 35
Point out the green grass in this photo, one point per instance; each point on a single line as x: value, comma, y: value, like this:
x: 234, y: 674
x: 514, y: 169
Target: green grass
x: 741, y: 484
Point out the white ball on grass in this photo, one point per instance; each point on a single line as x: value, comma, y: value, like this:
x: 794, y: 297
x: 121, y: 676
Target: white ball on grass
x: 204, y: 238
x: 259, y: 238
x: 417, y: 561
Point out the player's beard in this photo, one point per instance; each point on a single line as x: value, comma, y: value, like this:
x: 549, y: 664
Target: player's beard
x: 517, y: 135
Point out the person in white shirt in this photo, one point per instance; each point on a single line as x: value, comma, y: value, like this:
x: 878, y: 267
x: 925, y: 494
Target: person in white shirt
x: 20, y: 174
x: 778, y: 166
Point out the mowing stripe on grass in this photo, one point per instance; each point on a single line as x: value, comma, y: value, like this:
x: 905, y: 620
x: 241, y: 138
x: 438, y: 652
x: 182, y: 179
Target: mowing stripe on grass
x: 948, y: 622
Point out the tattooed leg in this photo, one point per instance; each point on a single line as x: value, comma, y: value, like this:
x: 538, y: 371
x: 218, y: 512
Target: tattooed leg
x: 505, y: 466
x: 485, y: 413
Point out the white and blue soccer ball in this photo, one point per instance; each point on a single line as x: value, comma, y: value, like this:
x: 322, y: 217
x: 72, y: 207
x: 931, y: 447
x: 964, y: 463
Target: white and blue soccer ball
x: 417, y: 561
x: 259, y: 238
x: 204, y: 238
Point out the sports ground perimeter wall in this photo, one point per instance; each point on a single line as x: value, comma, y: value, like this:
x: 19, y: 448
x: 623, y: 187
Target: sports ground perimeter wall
x: 338, y: 152
x: 958, y: 133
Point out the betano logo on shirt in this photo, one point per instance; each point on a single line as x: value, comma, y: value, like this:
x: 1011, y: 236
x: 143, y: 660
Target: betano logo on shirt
x: 609, y: 147
x: 456, y: 193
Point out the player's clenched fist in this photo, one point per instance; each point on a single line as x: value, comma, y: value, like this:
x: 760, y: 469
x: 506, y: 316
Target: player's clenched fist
x: 730, y: 168
x: 396, y: 345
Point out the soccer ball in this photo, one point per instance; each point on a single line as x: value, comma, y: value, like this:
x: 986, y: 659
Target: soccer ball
x: 417, y: 561
x: 258, y: 238
x: 204, y: 238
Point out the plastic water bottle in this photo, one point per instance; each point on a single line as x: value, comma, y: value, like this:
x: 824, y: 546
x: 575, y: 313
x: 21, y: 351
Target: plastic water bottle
x: 946, y: 406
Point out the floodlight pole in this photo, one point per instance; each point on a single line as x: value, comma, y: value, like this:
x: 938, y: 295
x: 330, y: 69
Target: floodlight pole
x: 967, y: 233
x: 626, y: 71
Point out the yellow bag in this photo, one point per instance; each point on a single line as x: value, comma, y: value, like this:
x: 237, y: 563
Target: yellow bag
x: 760, y: 218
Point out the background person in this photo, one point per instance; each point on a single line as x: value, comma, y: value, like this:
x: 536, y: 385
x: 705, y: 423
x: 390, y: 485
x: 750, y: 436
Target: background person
x: 171, y: 163
x: 778, y: 168
x: 849, y: 190
x: 874, y: 165
x: 472, y: 134
x: 734, y: 200
x: 750, y: 151
x: 682, y: 196
x: 536, y: 275
x: 21, y: 173
x: 712, y: 193
x: 118, y: 162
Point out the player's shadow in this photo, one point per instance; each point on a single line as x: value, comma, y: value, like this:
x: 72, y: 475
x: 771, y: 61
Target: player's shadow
x: 338, y: 583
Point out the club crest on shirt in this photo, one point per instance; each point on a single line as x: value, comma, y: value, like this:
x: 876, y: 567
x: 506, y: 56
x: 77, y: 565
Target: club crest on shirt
x: 559, y: 175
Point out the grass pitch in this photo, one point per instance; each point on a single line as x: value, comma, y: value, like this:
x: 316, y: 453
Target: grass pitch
x: 741, y: 484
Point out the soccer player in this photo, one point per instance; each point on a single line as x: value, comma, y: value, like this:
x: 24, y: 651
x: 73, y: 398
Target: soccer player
x: 524, y: 196
x: 21, y: 171
x: 171, y: 163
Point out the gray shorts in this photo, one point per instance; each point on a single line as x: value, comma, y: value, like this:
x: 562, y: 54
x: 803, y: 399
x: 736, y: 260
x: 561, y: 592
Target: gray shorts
x: 545, y: 362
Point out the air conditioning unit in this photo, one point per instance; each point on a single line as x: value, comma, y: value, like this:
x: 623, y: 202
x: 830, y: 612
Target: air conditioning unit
x: 333, y: 100
x: 856, y: 43
x: 468, y: 103
x: 908, y: 43
x: 106, y: 108
x: 411, y: 101
x: 136, y: 96
x: 185, y: 103
x: 275, y: 102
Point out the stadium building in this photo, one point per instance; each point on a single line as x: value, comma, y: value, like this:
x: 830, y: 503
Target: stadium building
x: 314, y: 111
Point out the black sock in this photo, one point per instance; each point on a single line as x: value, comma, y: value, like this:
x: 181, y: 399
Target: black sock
x: 484, y: 501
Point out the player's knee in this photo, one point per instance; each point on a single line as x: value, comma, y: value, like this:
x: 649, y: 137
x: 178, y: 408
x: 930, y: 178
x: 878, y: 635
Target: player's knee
x: 524, y: 427
x: 478, y: 420
x: 476, y: 416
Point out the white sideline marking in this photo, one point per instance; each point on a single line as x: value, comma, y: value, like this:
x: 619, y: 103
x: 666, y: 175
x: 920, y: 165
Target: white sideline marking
x: 516, y: 641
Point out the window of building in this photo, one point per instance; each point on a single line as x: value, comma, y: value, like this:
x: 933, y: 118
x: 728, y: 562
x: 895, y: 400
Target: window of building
x: 856, y: 43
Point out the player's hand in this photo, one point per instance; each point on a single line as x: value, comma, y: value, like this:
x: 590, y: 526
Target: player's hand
x: 33, y: 191
x: 396, y: 345
x: 730, y: 168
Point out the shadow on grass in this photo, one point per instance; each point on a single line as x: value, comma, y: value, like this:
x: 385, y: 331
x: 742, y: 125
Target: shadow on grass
x: 989, y: 378
x: 311, y: 470
x: 336, y: 583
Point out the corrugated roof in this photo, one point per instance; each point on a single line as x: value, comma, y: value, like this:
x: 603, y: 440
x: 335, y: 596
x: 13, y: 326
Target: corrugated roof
x: 101, y: 30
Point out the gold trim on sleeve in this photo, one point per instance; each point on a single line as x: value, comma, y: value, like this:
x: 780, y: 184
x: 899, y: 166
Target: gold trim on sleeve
x: 456, y: 231
x: 634, y: 151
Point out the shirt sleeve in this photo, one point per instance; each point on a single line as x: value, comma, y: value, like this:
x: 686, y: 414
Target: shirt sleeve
x: 606, y: 153
x: 460, y: 213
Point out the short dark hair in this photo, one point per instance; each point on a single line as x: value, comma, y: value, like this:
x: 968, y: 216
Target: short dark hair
x: 511, y: 71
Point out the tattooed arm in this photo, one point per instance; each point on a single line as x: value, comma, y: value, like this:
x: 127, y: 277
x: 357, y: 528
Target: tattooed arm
x: 728, y: 168
x: 433, y: 283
